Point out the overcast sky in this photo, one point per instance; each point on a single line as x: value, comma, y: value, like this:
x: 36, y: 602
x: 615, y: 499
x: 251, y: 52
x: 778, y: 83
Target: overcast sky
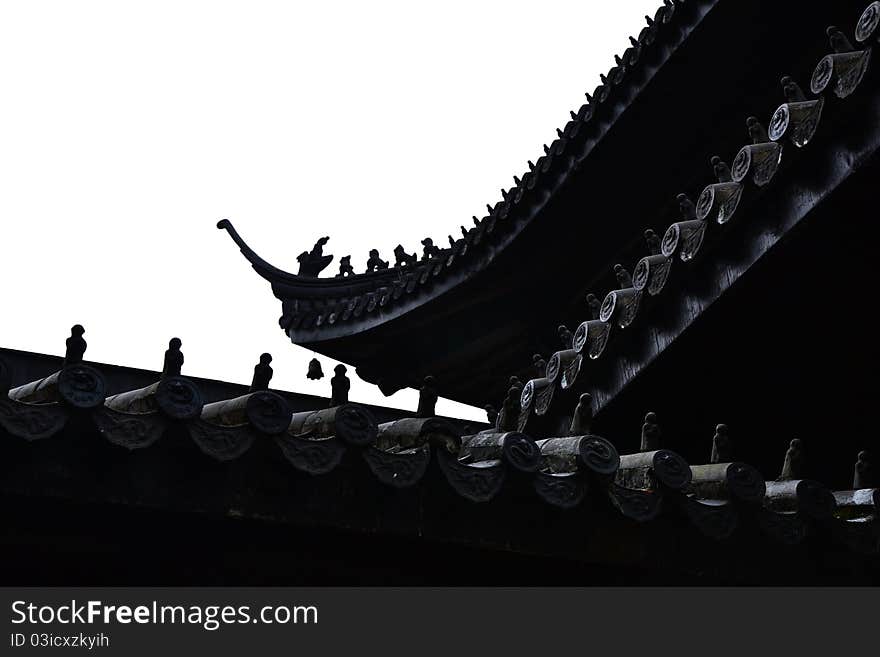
x: 127, y: 129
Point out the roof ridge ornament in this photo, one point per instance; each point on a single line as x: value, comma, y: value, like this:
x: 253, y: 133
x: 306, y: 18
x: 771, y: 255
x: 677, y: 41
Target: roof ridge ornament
x: 565, y: 336
x: 868, y: 22
x: 339, y: 386
x: 508, y: 417
x: 345, y: 268
x: 650, y: 440
x: 427, y: 397
x: 652, y: 271
x: 76, y: 384
x: 721, y: 198
x: 312, y: 263
x: 621, y: 305
x: 798, y: 118
x: 684, y: 237
x: 794, y: 465
x: 590, y: 338
x: 760, y: 158
x: 262, y: 374
x: 844, y: 68
x: 582, y: 419
x: 75, y: 346
x: 721, y: 445
x: 173, y: 362
x: 863, y: 472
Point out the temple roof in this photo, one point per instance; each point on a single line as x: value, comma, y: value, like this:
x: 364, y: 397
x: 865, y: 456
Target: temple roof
x: 561, y: 470
x: 646, y: 135
x: 84, y: 432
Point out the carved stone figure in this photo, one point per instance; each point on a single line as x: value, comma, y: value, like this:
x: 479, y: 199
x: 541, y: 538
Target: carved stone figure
x: 375, y: 263
x: 508, y: 418
x: 540, y: 365
x: 757, y: 131
x: 402, y: 258
x: 863, y: 474
x: 844, y: 68
x: 650, y: 433
x: 339, y: 385
x: 687, y: 207
x: 795, y: 460
x: 583, y: 416
x: 429, y: 251
x: 345, y: 268
x: 315, y: 372
x: 721, y: 446
x: 76, y: 346
x: 760, y: 159
x: 653, y: 241
x: 427, y: 398
x: 594, y: 305
x: 566, y: 336
x: 838, y: 40
x: 312, y: 263
x: 262, y: 374
x: 624, y: 279
x: 722, y: 171
x: 491, y: 414
x: 792, y: 91
x: 173, y: 359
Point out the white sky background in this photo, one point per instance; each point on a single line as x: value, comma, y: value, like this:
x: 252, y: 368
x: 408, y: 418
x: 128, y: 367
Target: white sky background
x: 128, y: 129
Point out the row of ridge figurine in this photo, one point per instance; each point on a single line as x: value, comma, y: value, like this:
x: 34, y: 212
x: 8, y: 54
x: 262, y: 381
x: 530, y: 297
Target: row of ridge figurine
x: 312, y: 263
x: 503, y: 420
x: 75, y: 348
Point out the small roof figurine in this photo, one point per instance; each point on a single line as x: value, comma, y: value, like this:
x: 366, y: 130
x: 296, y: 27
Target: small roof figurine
x: 624, y: 280
x: 653, y: 241
x: 838, y: 40
x: 687, y: 207
x: 757, y: 131
x: 375, y: 263
x: 650, y: 433
x: 339, y: 385
x: 427, y: 398
x: 429, y: 250
x: 863, y: 473
x: 173, y: 359
x: 792, y: 90
x: 312, y: 263
x: 582, y: 418
x: 594, y: 305
x: 721, y: 452
x: 722, y: 171
x: 402, y: 258
x: 566, y: 336
x: 793, y: 466
x: 315, y: 372
x: 262, y: 374
x: 345, y: 268
x: 76, y: 346
x: 540, y: 365
x: 508, y: 418
x: 491, y: 414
